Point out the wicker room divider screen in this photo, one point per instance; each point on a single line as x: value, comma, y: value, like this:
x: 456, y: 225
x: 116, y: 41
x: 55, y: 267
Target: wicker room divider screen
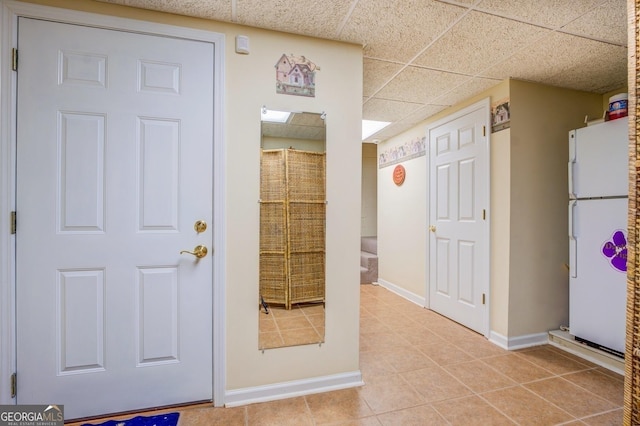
x: 632, y: 348
x: 292, y: 226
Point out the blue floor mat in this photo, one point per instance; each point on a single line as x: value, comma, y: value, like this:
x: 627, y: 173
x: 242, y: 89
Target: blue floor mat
x: 170, y: 419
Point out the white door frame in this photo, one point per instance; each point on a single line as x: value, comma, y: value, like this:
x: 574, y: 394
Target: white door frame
x: 10, y: 10
x: 486, y: 233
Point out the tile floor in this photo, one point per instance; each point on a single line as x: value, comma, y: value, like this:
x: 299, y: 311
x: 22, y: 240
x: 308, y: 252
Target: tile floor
x: 423, y: 369
x: 302, y: 324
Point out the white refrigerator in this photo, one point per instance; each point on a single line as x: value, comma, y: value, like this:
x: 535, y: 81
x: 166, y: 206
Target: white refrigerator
x: 598, y: 198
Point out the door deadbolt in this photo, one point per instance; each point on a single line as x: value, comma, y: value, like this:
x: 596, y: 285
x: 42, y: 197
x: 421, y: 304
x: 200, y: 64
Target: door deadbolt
x: 200, y: 226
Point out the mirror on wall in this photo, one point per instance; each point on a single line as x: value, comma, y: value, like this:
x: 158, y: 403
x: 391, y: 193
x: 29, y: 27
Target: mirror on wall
x: 292, y: 229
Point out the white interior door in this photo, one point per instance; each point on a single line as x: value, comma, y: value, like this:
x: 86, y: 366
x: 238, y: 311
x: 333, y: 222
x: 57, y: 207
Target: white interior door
x: 114, y: 167
x: 458, y: 203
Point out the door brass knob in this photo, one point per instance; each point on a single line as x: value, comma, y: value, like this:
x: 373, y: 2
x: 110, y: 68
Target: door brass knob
x: 432, y: 228
x: 200, y: 226
x: 199, y: 251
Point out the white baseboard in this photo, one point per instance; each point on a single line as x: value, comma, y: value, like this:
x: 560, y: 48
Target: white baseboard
x: 411, y: 297
x: 292, y: 389
x: 518, y: 342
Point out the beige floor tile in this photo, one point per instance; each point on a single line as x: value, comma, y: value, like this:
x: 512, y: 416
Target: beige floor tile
x: 301, y: 336
x: 316, y: 309
x: 270, y: 340
x: 602, y: 384
x: 525, y: 407
x: 286, y: 412
x: 415, y: 416
x: 340, y: 405
x: 413, y: 362
x: 279, y: 312
x: 452, y: 331
x: 435, y: 384
x: 612, y: 418
x: 289, y: 323
x: 478, y: 376
x: 373, y: 325
x: 471, y: 411
x: 517, y: 368
x: 392, y: 393
x: 477, y: 346
x: 267, y: 323
x: 444, y: 353
x: 367, y: 421
x: 419, y: 335
x: 372, y: 364
x: 316, y: 320
x: 407, y: 359
x: 397, y: 321
x: 381, y: 342
x: 213, y: 416
x: 573, y: 399
x: 571, y: 356
x: 550, y: 359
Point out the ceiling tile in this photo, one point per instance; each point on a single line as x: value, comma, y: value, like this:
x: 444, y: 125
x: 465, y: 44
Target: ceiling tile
x: 548, y: 13
x: 477, y: 42
x: 607, y: 22
x: 420, y: 85
x: 308, y: 17
x: 556, y: 54
x: 451, y: 41
x: 389, y: 131
x: 376, y: 74
x: 387, y: 110
x: 600, y: 76
x: 395, y: 33
x: 423, y: 113
x: 467, y: 90
x: 219, y: 10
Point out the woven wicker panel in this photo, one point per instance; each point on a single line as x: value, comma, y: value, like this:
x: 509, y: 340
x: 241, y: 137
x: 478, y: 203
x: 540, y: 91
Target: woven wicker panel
x: 306, y: 227
x: 632, y: 347
x: 292, y: 226
x: 272, y: 176
x: 305, y: 175
x: 307, y: 277
x: 273, y: 243
x: 273, y: 278
x: 273, y: 227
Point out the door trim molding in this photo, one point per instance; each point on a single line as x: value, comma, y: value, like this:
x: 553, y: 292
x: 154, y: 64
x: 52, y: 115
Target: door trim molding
x: 10, y: 10
x: 484, y: 104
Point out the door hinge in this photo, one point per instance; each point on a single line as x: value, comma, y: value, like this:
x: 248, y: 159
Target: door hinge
x: 14, y: 59
x: 14, y: 385
x: 484, y: 214
x: 484, y: 301
x: 13, y: 222
x: 484, y: 130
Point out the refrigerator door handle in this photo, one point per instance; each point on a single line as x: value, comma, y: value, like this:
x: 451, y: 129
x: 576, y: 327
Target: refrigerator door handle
x: 573, y: 244
x: 570, y: 176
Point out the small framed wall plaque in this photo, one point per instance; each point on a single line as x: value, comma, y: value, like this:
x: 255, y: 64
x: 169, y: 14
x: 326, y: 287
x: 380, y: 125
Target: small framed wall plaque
x: 399, y: 173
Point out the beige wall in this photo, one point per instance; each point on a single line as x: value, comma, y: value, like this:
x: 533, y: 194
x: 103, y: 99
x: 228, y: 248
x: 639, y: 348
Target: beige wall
x: 402, y: 211
x: 500, y: 224
x: 529, y: 245
x: 541, y: 118
x: 250, y: 83
x: 369, y: 226
x: 402, y: 220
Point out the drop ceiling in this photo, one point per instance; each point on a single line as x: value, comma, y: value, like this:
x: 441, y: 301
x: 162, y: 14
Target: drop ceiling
x: 422, y: 56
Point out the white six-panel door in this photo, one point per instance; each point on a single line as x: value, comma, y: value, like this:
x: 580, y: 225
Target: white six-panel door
x: 458, y: 222
x: 114, y: 167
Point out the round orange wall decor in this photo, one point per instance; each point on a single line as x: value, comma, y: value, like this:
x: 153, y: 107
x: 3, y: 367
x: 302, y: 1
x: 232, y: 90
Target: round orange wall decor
x: 399, y: 174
